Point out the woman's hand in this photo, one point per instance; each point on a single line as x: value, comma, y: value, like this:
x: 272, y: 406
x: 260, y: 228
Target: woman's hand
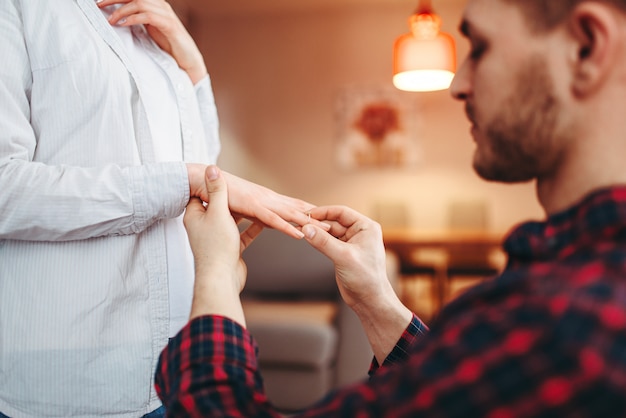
x: 165, y: 28
x: 257, y: 203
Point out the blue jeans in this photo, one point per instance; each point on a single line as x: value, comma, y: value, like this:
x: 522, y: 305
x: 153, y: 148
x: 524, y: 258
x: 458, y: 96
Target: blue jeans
x: 157, y: 413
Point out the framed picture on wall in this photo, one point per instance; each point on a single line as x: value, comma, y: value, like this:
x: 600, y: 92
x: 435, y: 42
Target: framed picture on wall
x: 376, y: 127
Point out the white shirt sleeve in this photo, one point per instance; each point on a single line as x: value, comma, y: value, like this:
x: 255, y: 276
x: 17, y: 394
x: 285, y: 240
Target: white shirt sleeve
x: 49, y: 190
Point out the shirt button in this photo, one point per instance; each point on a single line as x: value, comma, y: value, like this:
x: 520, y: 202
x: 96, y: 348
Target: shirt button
x: 180, y: 90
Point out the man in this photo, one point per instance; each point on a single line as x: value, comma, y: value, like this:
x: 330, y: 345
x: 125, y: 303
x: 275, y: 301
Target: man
x: 107, y: 120
x: 545, y: 88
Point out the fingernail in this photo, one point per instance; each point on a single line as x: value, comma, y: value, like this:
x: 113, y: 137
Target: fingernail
x: 212, y: 173
x: 309, y: 231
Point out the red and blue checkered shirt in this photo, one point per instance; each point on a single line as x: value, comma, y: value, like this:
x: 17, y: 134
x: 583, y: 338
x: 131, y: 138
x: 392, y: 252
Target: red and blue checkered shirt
x: 546, y: 338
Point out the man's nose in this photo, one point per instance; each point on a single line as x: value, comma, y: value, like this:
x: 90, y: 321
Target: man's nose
x: 460, y: 87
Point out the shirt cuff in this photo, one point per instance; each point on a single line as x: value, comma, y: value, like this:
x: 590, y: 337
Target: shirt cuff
x: 413, y: 332
x: 204, y: 82
x: 159, y: 190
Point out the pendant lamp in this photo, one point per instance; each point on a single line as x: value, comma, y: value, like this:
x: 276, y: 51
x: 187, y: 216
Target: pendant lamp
x: 425, y: 58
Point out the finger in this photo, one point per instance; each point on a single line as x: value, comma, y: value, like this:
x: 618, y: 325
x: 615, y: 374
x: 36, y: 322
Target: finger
x: 216, y: 187
x: 194, y: 209
x: 272, y: 220
x: 340, y: 218
x: 336, y: 230
x: 298, y: 212
x: 342, y: 214
x: 134, y: 13
x: 195, y: 205
x: 324, y: 242
x: 307, y: 217
x: 105, y: 3
x: 143, y: 18
x: 121, y: 14
x: 249, y: 235
x: 303, y: 218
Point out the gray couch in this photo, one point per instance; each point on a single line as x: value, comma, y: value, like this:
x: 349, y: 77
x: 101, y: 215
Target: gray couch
x: 309, y: 341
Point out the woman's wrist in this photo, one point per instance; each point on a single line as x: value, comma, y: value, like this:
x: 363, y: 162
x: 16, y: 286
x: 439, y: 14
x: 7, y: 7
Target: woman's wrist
x: 196, y: 73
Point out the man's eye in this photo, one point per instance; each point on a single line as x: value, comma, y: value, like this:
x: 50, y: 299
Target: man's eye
x: 476, y: 51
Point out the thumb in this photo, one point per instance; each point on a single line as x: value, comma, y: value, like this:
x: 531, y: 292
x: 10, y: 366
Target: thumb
x: 216, y: 187
x: 322, y: 241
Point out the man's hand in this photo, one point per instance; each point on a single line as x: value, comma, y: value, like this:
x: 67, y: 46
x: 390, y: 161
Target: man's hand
x: 256, y: 203
x: 165, y: 28
x: 217, y: 246
x: 355, y: 245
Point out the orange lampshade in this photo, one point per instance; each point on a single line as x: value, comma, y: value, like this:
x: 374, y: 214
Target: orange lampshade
x: 425, y: 58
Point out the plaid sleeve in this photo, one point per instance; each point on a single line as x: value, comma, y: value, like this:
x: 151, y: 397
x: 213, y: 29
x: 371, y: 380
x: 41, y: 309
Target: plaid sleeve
x: 210, y: 369
x: 411, y: 334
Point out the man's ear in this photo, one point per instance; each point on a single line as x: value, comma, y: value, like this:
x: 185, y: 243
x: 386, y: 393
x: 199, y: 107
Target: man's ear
x: 595, y: 32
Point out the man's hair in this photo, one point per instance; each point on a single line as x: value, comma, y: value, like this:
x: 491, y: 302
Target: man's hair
x: 543, y: 15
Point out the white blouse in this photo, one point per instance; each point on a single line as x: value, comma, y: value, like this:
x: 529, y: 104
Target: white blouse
x: 85, y: 192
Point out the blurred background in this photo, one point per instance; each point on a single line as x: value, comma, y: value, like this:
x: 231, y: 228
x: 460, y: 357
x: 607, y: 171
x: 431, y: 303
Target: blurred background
x: 279, y: 69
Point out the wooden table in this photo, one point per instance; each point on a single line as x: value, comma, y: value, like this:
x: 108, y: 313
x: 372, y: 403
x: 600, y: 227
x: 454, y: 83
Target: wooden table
x: 442, y: 253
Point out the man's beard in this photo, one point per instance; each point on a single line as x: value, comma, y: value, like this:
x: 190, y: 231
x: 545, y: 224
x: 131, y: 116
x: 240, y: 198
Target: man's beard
x: 519, y: 142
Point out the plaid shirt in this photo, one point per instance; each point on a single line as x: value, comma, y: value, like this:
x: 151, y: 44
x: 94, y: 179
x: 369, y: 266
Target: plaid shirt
x: 547, y: 338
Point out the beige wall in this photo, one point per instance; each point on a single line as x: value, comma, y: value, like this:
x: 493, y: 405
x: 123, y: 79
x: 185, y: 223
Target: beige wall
x: 276, y: 78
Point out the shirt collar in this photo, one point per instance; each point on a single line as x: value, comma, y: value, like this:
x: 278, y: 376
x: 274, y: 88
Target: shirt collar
x: 600, y: 216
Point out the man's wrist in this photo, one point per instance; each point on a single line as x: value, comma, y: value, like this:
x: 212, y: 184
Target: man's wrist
x: 225, y: 305
x: 384, y: 320
x: 384, y: 299
x: 215, y: 293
